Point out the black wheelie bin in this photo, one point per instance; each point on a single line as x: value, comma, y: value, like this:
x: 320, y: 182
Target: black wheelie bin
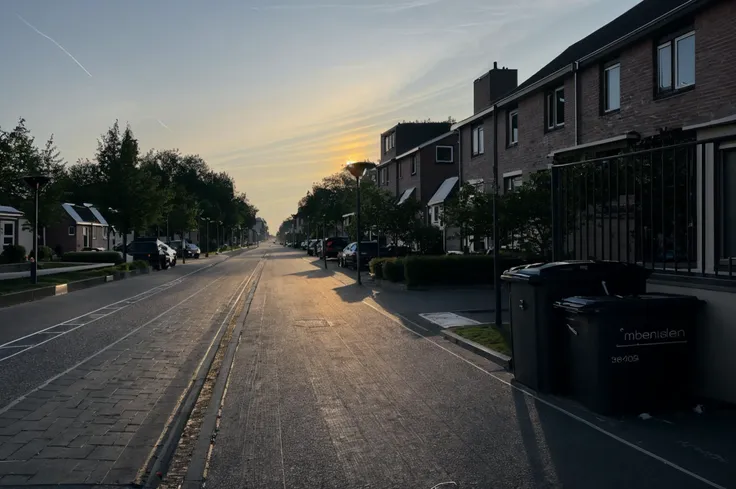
x: 538, y: 339
x: 630, y: 354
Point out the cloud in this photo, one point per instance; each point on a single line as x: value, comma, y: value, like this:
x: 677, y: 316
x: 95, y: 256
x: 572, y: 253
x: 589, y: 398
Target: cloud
x: 376, y: 7
x: 56, y: 43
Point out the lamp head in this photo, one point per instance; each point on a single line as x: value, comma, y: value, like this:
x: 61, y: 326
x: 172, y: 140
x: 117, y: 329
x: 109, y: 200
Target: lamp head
x: 357, y: 168
x: 36, y: 181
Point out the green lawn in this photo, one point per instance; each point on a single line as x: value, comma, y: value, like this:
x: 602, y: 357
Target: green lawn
x: 487, y: 335
x: 21, y: 284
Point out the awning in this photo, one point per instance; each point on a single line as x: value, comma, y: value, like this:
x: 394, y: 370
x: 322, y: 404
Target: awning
x: 615, y: 139
x: 405, y: 196
x: 443, y: 192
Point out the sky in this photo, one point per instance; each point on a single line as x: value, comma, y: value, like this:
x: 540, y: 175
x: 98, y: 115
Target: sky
x: 277, y: 93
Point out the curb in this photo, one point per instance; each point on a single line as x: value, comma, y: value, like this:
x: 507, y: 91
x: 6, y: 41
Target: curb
x: 492, y: 355
x: 15, y: 298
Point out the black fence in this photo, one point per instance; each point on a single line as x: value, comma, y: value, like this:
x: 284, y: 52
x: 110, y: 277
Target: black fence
x: 639, y: 207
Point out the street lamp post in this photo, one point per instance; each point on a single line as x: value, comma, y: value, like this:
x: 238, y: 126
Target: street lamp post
x: 36, y: 183
x: 207, y: 250
x: 357, y: 169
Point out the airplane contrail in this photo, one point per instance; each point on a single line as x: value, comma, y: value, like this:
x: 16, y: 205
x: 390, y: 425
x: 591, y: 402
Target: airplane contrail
x: 57, y: 44
x: 164, y: 125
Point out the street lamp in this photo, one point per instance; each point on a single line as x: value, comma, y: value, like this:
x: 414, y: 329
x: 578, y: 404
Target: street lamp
x: 358, y: 169
x: 36, y: 183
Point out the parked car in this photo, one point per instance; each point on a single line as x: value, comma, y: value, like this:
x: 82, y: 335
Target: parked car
x: 98, y: 248
x: 171, y: 251
x: 312, y: 247
x: 151, y: 250
x: 333, y: 245
x: 368, y: 251
x: 190, y: 250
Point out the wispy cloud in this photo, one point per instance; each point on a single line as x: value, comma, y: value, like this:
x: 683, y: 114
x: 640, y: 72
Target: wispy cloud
x: 56, y: 43
x: 376, y: 7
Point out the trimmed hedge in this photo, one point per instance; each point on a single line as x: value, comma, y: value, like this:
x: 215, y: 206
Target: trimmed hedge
x: 13, y: 254
x: 376, y: 266
x: 93, y: 257
x: 454, y: 269
x: 44, y: 253
x: 394, y: 269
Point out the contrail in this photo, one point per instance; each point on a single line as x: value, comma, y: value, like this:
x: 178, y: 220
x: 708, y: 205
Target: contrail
x: 164, y: 125
x: 57, y: 44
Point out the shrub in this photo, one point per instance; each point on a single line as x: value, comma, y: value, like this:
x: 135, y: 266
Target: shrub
x: 93, y: 257
x: 393, y: 269
x: 124, y: 267
x: 44, y: 253
x: 455, y: 269
x: 139, y: 265
x: 376, y: 266
x: 13, y: 254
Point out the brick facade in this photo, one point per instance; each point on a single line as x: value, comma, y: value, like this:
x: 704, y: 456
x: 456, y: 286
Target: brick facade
x: 713, y: 97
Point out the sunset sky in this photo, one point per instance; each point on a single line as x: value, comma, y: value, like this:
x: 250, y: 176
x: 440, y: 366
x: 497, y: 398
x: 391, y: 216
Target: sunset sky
x: 278, y: 94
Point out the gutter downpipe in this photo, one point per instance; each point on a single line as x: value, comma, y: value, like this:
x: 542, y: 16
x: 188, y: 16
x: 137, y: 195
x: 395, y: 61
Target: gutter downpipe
x: 575, y: 68
x: 496, y: 241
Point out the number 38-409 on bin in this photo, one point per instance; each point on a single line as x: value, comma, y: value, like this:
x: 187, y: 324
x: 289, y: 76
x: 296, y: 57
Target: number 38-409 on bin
x: 625, y: 359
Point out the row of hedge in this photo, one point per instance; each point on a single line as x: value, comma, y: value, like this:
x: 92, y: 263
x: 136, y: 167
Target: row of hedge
x: 93, y: 257
x: 441, y: 270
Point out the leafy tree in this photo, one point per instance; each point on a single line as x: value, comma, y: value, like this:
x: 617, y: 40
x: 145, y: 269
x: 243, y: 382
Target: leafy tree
x: 525, y: 214
x: 471, y: 211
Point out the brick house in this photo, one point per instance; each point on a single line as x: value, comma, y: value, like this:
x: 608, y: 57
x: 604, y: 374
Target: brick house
x: 638, y: 121
x: 398, y: 141
x: 82, y: 226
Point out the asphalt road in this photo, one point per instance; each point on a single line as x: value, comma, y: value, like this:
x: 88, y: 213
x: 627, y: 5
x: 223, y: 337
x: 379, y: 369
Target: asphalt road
x: 329, y: 390
x: 89, y: 380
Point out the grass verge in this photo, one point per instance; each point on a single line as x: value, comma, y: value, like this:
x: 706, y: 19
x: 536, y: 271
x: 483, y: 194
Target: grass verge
x: 24, y: 283
x: 487, y: 335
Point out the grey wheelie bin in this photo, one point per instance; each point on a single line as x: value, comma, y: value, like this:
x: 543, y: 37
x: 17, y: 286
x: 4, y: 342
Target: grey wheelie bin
x: 630, y: 354
x: 538, y: 339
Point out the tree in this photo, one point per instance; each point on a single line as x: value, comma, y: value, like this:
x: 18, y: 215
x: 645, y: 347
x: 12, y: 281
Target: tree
x: 525, y: 214
x: 129, y: 193
x: 471, y: 211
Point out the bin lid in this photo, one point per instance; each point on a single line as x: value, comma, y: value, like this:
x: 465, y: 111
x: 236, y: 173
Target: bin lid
x: 566, y: 270
x: 633, y: 303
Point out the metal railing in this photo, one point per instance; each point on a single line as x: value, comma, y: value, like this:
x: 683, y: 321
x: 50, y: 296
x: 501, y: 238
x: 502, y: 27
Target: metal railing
x: 638, y: 207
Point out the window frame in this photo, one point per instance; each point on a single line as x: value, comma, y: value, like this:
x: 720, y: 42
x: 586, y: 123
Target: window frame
x: 551, y: 113
x: 512, y: 177
x: 510, y: 141
x: 400, y: 169
x: 444, y: 146
x: 72, y: 230
x: 605, y: 102
x: 414, y: 164
x: 477, y: 146
x: 671, y: 42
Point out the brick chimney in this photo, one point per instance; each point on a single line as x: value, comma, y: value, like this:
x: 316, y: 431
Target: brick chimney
x: 492, y: 86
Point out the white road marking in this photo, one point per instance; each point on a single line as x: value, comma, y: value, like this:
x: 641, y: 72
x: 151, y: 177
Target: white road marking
x: 95, y: 315
x: 448, y: 319
x: 548, y: 403
x: 129, y: 334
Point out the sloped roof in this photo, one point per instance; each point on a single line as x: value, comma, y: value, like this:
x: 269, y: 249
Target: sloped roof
x: 405, y: 196
x: 443, y: 191
x: 7, y: 210
x: 634, y: 19
x: 83, y: 214
x: 425, y: 144
x: 97, y: 214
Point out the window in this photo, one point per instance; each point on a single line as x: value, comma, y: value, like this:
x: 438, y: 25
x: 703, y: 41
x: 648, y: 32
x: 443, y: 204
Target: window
x: 401, y: 169
x: 478, y: 146
x: 512, y: 181
x: 73, y: 229
x: 436, y: 213
x: 513, y: 127
x: 556, y: 108
x: 612, y: 88
x: 389, y: 142
x: 85, y: 236
x: 94, y: 232
x: 676, y: 63
x: 387, y: 175
x: 414, y: 164
x: 444, y: 154
x: 8, y: 236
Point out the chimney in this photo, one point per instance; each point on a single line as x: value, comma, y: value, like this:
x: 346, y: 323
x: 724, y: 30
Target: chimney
x: 492, y: 86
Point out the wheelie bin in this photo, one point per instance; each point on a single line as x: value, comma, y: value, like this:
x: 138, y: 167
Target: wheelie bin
x: 538, y: 340
x: 630, y: 354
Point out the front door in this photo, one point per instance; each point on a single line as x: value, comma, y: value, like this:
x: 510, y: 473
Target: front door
x: 85, y: 236
x: 7, y: 234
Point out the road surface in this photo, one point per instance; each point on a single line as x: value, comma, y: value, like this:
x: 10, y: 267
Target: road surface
x: 331, y: 386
